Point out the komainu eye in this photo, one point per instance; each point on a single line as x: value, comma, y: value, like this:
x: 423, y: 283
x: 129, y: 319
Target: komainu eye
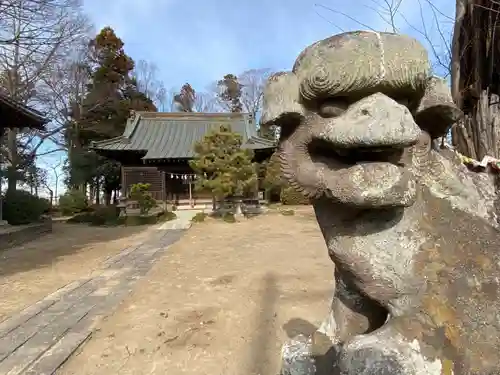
x: 333, y: 108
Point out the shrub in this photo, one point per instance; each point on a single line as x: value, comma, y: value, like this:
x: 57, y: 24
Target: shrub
x: 134, y: 220
x: 110, y: 216
x: 228, y: 217
x: 107, y: 215
x: 54, y: 211
x: 140, y: 193
x: 92, y: 208
x: 73, y: 202
x: 83, y: 217
x: 273, y: 181
x: 199, y: 217
x: 292, y: 197
x: 166, y: 216
x: 21, y: 207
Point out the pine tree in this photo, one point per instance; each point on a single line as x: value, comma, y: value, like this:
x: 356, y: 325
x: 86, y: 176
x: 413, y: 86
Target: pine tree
x: 222, y: 166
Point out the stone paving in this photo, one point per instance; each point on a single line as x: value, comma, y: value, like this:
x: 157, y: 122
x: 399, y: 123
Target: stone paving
x: 39, y: 339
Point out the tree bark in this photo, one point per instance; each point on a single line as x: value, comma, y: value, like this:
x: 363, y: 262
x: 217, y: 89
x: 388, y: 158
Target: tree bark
x: 107, y: 197
x: 474, y: 81
x: 13, y: 158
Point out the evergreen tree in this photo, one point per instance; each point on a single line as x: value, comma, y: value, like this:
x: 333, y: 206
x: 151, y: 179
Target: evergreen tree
x: 222, y: 166
x: 230, y: 91
x: 112, y: 94
x: 273, y: 177
x: 185, y: 99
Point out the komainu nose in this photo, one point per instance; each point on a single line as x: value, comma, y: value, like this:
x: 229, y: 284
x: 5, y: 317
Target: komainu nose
x: 374, y: 121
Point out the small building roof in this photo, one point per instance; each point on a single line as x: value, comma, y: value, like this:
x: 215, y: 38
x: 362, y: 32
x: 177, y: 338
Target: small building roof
x: 165, y: 135
x: 16, y: 115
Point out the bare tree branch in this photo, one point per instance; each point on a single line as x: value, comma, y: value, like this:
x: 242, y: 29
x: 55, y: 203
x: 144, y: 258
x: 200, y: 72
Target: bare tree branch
x: 146, y: 76
x: 51, y: 183
x: 252, y: 82
x: 345, y: 15
x: 465, y: 47
x: 35, y: 36
x: 389, y: 11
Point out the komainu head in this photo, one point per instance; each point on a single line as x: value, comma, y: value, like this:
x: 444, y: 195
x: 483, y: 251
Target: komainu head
x: 358, y: 113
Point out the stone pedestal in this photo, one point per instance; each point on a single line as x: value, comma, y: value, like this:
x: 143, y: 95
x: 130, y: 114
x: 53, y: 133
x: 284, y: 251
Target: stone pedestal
x: 308, y: 355
x: 297, y: 357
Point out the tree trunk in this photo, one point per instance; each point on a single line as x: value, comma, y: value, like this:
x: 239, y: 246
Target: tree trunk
x: 474, y: 82
x: 461, y: 133
x: 91, y: 194
x: 107, y: 197
x: 97, y: 191
x: 14, y: 85
x: 51, y: 197
x: 14, y: 159
x: 76, y: 147
x: 456, y: 50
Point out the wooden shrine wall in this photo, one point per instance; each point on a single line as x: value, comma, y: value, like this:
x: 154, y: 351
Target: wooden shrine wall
x: 145, y: 175
x: 168, y: 183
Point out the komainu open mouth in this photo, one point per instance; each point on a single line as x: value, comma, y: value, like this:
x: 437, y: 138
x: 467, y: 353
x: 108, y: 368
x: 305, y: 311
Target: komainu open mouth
x: 320, y: 150
x: 369, y: 154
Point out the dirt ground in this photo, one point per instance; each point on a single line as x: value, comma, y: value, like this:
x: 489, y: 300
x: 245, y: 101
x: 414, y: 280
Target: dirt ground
x: 220, y: 302
x: 31, y: 271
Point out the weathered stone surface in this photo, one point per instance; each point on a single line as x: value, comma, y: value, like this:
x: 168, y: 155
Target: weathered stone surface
x: 436, y: 111
x: 413, y: 234
x: 297, y: 357
x: 361, y: 62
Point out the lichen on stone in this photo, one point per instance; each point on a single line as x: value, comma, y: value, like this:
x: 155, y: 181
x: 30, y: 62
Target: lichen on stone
x: 412, y: 233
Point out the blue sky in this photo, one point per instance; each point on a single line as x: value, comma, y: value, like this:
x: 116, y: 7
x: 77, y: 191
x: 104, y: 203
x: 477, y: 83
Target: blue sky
x: 199, y: 41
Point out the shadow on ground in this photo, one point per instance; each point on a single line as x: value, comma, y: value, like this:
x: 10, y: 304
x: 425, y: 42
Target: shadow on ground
x: 219, y: 303
x: 263, y: 341
x: 65, y: 240
x: 258, y: 361
x: 297, y: 326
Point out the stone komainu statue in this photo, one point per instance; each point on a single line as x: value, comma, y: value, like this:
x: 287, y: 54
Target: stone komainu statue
x: 411, y: 232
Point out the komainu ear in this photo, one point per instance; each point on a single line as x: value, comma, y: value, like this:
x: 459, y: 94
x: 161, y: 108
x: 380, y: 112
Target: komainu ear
x: 281, y: 102
x: 437, y: 111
